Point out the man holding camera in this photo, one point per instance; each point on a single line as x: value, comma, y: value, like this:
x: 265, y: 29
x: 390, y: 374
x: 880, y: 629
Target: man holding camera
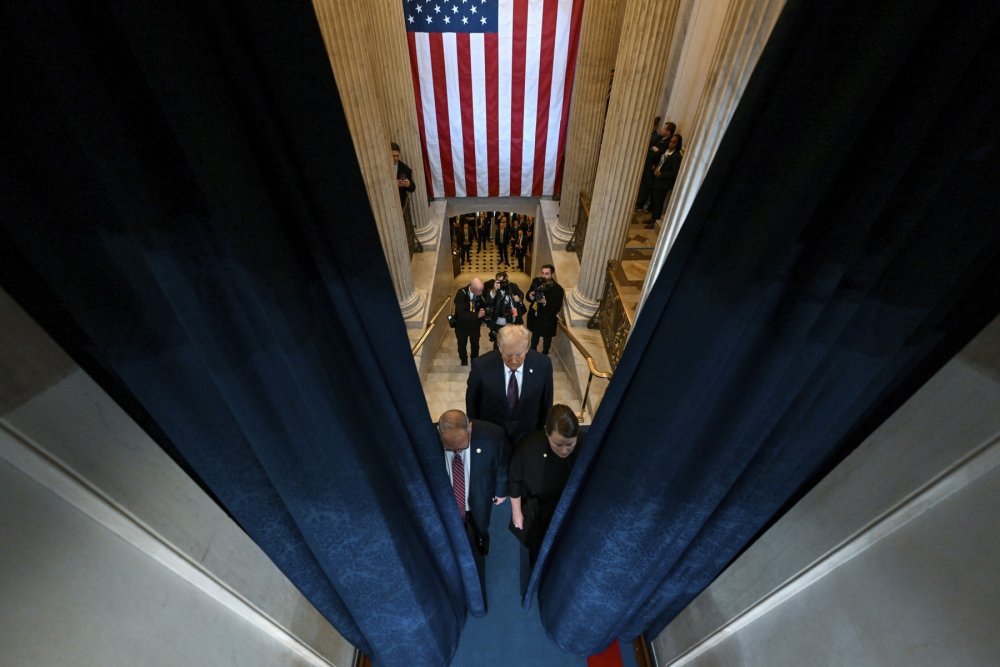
x: 404, y: 175
x: 470, y: 311
x: 545, y: 302
x: 505, y: 304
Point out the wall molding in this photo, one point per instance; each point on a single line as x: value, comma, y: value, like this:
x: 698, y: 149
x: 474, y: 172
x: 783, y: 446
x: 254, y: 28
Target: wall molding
x: 950, y: 481
x: 32, y: 459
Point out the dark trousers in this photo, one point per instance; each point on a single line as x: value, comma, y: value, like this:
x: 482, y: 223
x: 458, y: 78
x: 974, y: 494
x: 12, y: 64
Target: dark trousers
x: 482, y: 239
x: 546, y: 342
x: 471, y: 337
x: 645, y: 187
x: 503, y: 248
x: 477, y: 556
x: 465, y: 253
x: 660, y: 198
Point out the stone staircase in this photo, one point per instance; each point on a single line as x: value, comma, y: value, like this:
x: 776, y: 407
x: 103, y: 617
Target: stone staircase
x: 444, y: 384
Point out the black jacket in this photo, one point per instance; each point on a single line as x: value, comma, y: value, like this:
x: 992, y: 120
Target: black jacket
x: 486, y: 398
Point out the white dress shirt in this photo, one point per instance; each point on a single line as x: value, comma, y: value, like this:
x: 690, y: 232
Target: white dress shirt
x: 519, y: 374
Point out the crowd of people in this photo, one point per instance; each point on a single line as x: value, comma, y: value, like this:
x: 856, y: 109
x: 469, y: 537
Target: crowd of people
x: 511, y: 233
x: 499, y: 302
x: 511, y: 441
x: 660, y: 167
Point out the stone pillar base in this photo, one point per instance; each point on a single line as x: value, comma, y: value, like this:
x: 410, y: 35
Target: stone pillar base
x: 428, y: 236
x: 414, y: 309
x: 580, y: 308
x: 561, y: 236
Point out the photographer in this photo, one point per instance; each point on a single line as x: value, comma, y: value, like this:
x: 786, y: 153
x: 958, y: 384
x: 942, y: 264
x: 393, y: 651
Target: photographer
x: 506, y: 304
x: 545, y: 301
x: 470, y: 312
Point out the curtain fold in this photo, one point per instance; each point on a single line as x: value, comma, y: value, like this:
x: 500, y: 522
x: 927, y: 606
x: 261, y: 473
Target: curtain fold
x: 184, y: 212
x: 843, y: 245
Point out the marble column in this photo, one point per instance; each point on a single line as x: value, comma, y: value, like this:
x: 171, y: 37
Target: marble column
x: 345, y: 33
x: 647, y: 30
x: 746, y: 29
x: 391, y: 62
x: 599, y: 33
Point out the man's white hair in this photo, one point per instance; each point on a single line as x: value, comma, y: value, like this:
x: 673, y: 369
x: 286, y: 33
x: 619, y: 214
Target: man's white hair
x: 511, y: 335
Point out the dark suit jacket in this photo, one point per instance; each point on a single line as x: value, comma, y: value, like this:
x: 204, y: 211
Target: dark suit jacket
x: 542, y: 320
x: 668, y: 172
x: 502, y: 238
x: 486, y: 395
x: 487, y: 476
x: 467, y: 321
x: 403, y: 171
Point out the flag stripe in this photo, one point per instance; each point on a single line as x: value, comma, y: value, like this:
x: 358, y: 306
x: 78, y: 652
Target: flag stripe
x: 532, y: 60
x: 574, y: 43
x: 468, y: 126
x: 519, y: 45
x: 440, y: 84
x: 493, y: 111
x: 433, y: 147
x: 411, y: 44
x: 554, y: 126
x: 505, y: 46
x: 477, y: 56
x: 449, y: 50
x: 547, y: 53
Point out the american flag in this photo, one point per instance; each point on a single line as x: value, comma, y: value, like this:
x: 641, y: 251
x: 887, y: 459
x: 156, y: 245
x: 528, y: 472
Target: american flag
x: 492, y: 80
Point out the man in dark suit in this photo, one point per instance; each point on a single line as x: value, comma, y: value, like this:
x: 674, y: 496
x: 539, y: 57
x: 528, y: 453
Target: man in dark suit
x: 545, y: 301
x: 664, y: 177
x: 482, y: 231
x: 404, y: 176
x: 511, y: 386
x: 657, y: 146
x: 470, y: 313
x: 504, y: 304
x: 476, y: 458
x: 502, y: 239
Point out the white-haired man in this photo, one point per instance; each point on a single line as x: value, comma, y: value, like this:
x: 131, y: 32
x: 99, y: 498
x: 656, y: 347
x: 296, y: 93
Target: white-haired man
x: 512, y: 386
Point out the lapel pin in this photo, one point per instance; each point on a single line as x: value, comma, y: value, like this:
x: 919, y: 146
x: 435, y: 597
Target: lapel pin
x: 478, y: 450
x: 545, y: 456
x: 531, y: 370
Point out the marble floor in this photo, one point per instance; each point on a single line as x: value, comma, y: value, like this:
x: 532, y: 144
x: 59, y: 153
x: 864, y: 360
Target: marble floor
x: 636, y: 257
x: 486, y: 263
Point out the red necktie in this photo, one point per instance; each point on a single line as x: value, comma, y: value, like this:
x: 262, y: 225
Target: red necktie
x: 458, y: 482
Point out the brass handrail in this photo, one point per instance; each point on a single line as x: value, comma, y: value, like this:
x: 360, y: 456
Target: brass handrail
x: 430, y: 325
x: 629, y: 313
x: 592, y: 369
x: 591, y: 366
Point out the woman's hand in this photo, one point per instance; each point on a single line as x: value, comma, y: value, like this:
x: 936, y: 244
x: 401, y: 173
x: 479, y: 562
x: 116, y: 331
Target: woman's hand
x: 515, y: 513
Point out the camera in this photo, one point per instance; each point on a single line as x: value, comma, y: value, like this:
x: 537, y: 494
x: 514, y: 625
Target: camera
x: 538, y: 288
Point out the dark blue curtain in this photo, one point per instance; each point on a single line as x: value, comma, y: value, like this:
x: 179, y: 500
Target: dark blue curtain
x: 183, y: 210
x: 845, y: 243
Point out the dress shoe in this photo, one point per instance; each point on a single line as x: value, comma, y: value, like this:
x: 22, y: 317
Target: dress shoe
x: 464, y: 362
